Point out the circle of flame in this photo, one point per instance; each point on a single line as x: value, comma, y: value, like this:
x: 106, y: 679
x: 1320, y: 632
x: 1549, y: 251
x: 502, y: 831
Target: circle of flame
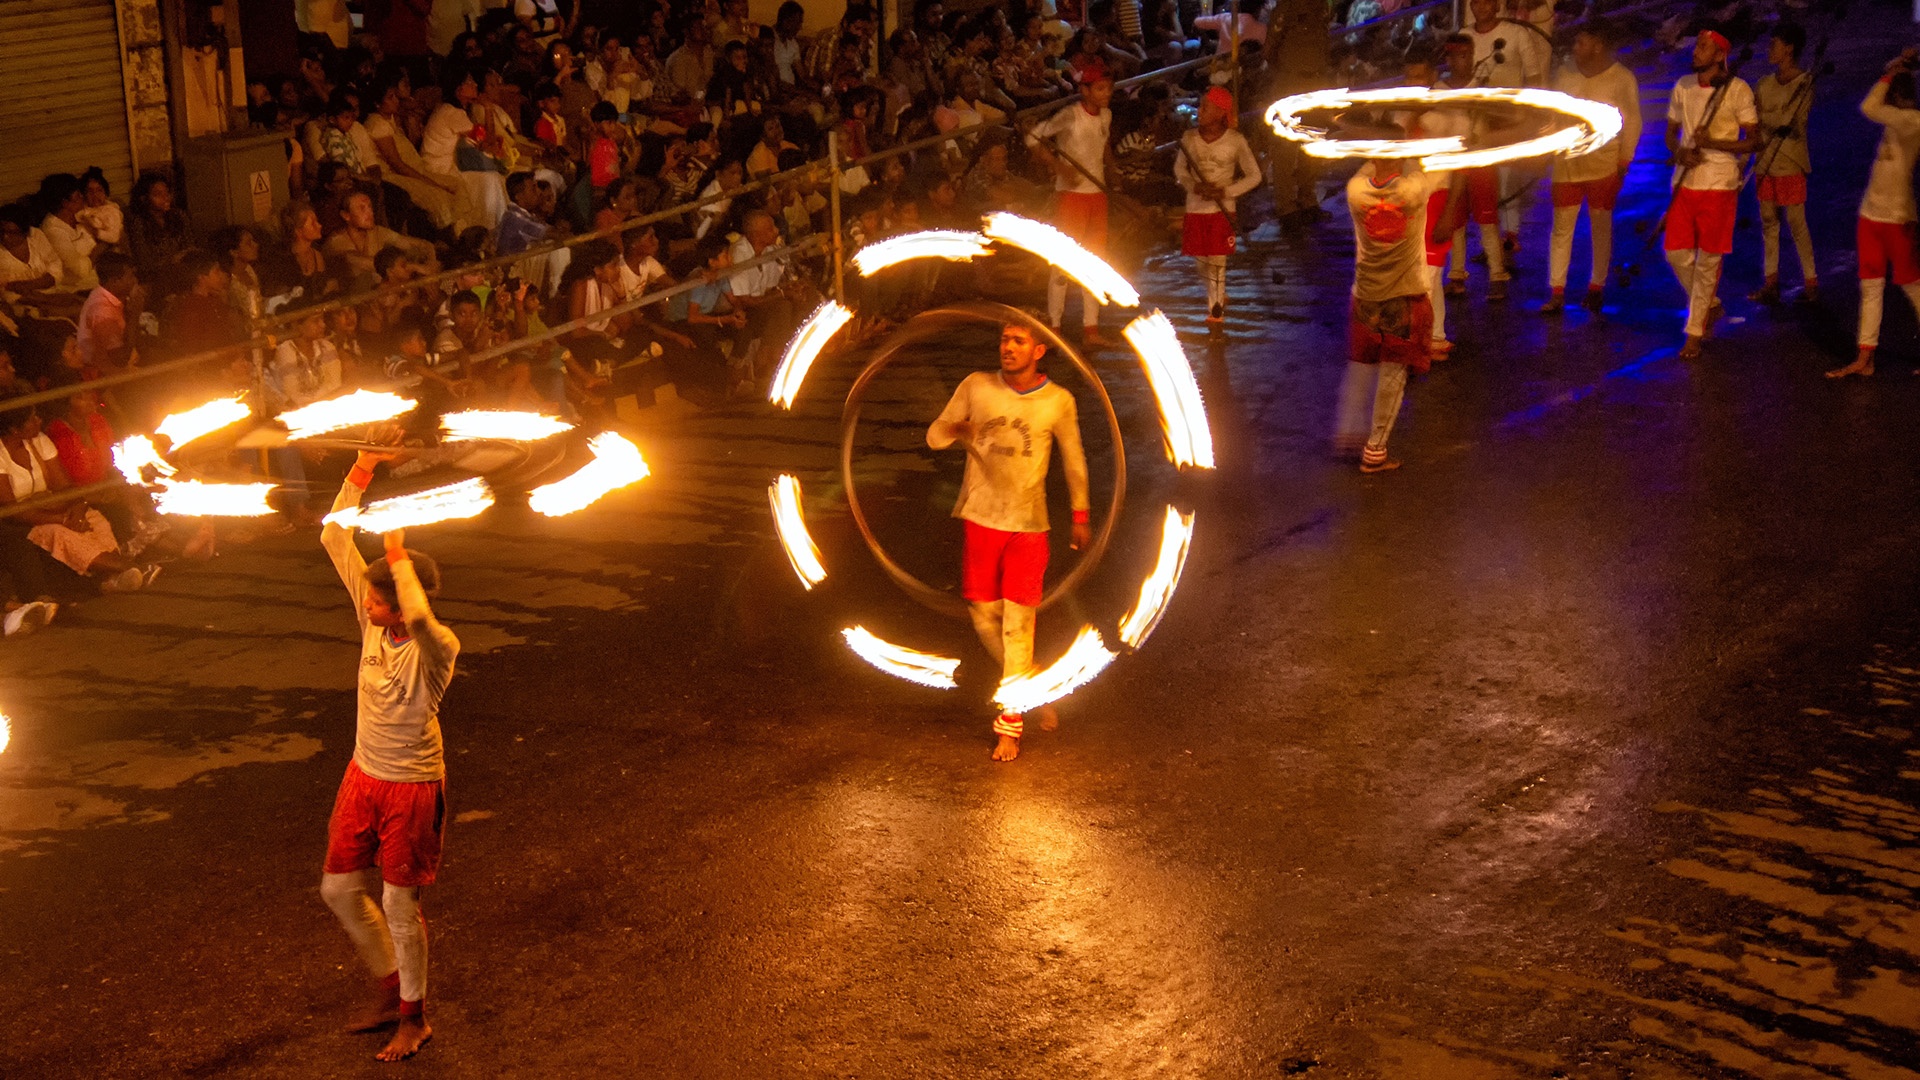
x: 1595, y: 123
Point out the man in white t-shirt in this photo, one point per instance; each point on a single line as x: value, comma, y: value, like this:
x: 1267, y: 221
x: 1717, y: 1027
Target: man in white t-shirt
x: 1073, y: 143
x: 1594, y: 177
x: 761, y: 290
x: 1886, y: 233
x: 1009, y: 421
x: 1507, y: 52
x: 1711, y: 123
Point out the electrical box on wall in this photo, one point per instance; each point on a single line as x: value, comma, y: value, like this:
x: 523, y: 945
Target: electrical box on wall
x: 236, y: 179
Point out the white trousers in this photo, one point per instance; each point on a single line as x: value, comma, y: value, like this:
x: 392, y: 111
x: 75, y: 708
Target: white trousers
x: 1006, y: 629
x: 1796, y: 216
x: 1512, y: 182
x: 389, y: 935
x: 1213, y: 272
x: 1437, y: 296
x: 1873, y: 304
x: 1057, y: 302
x: 1699, y: 275
x: 1490, y: 245
x: 1560, y: 247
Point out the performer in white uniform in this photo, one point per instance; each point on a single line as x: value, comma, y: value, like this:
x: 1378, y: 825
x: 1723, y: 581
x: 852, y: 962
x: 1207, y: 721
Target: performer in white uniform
x: 391, y: 808
x: 1784, y: 100
x: 1710, y: 124
x: 1886, y: 233
x: 1595, y: 177
x: 1216, y: 166
x: 1009, y: 421
x: 1079, y: 132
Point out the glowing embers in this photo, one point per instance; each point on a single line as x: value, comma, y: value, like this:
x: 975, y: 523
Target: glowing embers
x: 181, y: 428
x: 1175, y: 538
x: 1086, y: 657
x: 1593, y: 124
x: 616, y: 463
x: 784, y: 496
x: 805, y: 347
x: 1065, y: 254
x: 1182, y: 414
x: 927, y: 669
x: 501, y: 424
x: 6, y: 732
x: 948, y: 244
x: 348, y: 410
x: 450, y: 503
x: 134, y: 455
x: 191, y: 498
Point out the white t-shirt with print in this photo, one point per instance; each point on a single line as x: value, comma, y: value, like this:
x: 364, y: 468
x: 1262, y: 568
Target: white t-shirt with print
x: 1718, y: 170
x: 1005, y: 486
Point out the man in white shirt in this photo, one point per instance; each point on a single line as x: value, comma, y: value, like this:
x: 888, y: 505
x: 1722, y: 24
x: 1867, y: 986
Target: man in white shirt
x: 1711, y: 122
x: 391, y: 808
x: 1216, y: 166
x: 1784, y: 100
x: 761, y: 290
x: 1507, y: 52
x: 1009, y: 421
x: 1886, y: 233
x: 690, y: 67
x: 72, y: 243
x: 1073, y: 143
x: 1595, y: 177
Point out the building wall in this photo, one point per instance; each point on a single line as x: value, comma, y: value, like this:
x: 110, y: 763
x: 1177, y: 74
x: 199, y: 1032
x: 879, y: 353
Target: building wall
x: 143, y: 64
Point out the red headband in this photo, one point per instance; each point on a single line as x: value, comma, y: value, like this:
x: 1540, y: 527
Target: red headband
x: 1718, y: 39
x: 1220, y: 96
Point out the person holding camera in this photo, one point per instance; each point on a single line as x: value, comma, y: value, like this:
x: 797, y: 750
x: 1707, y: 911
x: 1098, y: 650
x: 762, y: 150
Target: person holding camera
x: 1886, y: 233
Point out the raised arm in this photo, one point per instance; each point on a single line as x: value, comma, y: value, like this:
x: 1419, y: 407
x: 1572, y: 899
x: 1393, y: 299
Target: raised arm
x: 338, y: 540
x: 437, y: 643
x: 1875, y: 107
x: 952, y: 425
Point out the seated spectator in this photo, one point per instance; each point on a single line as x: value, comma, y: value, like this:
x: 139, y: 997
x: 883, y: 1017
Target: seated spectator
x: 706, y: 313
x: 689, y: 68
x: 623, y: 199
x: 297, y: 261
x: 765, y: 158
x: 306, y: 367
x: 607, y: 155
x: 332, y: 183
x: 393, y: 268
x: 104, y: 340
x: 688, y: 158
x: 451, y: 146
x: 733, y: 91
x: 29, y: 269
x: 75, y: 534
x: 102, y: 216
x: 84, y: 439
x: 592, y: 285
x: 727, y: 176
x: 200, y: 319
x: 344, y: 140
x: 437, y: 194
x: 551, y: 128
x: 764, y: 292
x: 50, y: 354
x: 60, y: 196
x: 239, y: 247
x: 521, y: 227
x: 157, y: 230
x: 990, y: 185
x: 505, y: 380
x: 355, y: 246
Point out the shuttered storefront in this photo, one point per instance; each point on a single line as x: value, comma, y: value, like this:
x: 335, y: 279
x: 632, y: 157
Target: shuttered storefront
x: 63, y: 105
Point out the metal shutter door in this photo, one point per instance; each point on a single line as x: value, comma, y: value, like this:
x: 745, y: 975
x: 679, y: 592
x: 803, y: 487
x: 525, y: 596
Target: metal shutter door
x: 63, y: 105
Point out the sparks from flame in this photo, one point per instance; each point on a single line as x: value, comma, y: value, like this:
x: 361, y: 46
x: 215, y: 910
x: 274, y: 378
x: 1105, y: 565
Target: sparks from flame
x: 1595, y: 124
x: 133, y: 454
x: 359, y: 407
x: 1155, y: 592
x: 784, y: 495
x: 1086, y: 657
x: 1182, y: 414
x: 947, y: 244
x: 6, y: 732
x: 616, y: 463
x: 926, y: 669
x: 501, y: 424
x: 454, y: 501
x: 1065, y: 253
x: 813, y: 335
x: 181, y: 428
x: 191, y: 498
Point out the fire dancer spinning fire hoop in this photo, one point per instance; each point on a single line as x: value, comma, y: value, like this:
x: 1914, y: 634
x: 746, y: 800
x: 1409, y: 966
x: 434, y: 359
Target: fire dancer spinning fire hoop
x: 1574, y: 125
x: 1189, y: 443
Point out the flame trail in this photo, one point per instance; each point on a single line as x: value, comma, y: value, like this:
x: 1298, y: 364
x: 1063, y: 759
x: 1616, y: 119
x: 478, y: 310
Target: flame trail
x: 1158, y: 588
x: 134, y: 454
x: 1182, y: 414
x: 501, y: 424
x: 802, y: 552
x: 182, y: 428
x: 813, y: 335
x: 1595, y: 124
x: 616, y: 463
x: 191, y: 498
x: 917, y: 667
x: 1086, y: 657
x: 454, y: 501
x: 1066, y: 254
x: 931, y: 244
x: 359, y: 407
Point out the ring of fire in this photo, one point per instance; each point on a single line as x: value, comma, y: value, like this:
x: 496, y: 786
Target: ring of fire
x: 1593, y: 125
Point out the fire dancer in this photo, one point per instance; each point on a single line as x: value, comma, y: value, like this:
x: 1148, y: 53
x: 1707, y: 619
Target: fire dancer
x: 1216, y: 166
x: 1009, y: 422
x: 1711, y: 120
x: 1886, y: 232
x: 1073, y: 142
x: 391, y: 807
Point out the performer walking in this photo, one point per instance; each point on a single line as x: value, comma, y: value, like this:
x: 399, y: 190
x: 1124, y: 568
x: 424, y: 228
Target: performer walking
x: 1216, y: 166
x: 1421, y: 70
x: 1784, y: 98
x: 1482, y: 185
x: 1506, y: 52
x: 1080, y: 133
x: 1886, y: 232
x: 1390, y: 326
x: 391, y: 807
x: 1593, y: 178
x: 1710, y: 122
x: 1009, y: 422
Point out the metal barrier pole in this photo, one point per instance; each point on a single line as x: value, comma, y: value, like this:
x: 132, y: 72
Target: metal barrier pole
x: 833, y: 201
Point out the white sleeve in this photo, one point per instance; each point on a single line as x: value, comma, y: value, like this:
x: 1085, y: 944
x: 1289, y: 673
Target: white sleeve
x: 959, y: 408
x: 1249, y: 168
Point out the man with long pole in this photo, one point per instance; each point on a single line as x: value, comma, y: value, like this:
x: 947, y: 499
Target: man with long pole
x: 1784, y: 100
x: 1711, y: 122
x: 1216, y: 166
x: 1073, y: 143
x: 391, y: 807
x: 1009, y: 421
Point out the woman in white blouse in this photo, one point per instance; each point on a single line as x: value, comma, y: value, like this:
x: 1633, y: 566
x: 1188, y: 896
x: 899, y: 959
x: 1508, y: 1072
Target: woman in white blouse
x: 75, y: 534
x: 439, y: 194
x: 450, y: 145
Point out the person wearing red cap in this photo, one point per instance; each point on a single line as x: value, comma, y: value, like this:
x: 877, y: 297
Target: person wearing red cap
x: 1073, y: 142
x: 1711, y: 123
x: 1216, y: 166
x: 1886, y: 233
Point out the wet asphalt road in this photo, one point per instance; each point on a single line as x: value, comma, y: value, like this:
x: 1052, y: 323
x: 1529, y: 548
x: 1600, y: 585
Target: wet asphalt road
x: 1582, y: 746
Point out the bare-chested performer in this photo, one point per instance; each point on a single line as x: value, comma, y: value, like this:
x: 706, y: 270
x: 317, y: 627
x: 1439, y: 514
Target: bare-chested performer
x: 392, y: 805
x: 1009, y: 422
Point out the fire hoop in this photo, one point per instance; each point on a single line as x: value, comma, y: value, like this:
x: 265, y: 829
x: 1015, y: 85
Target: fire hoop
x: 1593, y: 124
x: 1183, y: 420
x: 930, y: 324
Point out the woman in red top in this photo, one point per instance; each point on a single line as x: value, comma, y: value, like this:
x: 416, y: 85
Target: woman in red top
x: 84, y: 439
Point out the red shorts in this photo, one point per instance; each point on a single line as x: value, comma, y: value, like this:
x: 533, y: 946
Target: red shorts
x: 1083, y: 216
x: 1437, y: 253
x: 1206, y: 234
x: 1001, y: 565
x: 1597, y: 194
x: 1702, y: 219
x: 387, y: 823
x: 1483, y: 195
x: 1886, y: 246
x: 1784, y: 190
x: 1396, y: 331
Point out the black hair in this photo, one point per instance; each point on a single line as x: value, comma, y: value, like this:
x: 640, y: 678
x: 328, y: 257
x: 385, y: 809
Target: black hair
x: 93, y: 173
x: 791, y: 159
x: 596, y: 253
x: 602, y: 112
x: 790, y: 7
x: 1900, y: 89
x: 384, y: 259
x: 194, y: 263
x: 546, y: 89
x: 1793, y: 34
x: 700, y: 132
x: 1600, y: 30
x: 465, y: 297
x: 56, y: 189
x: 516, y: 182
x: 342, y: 102
x: 380, y: 576
x: 710, y: 245
x: 111, y: 264
x: 13, y: 419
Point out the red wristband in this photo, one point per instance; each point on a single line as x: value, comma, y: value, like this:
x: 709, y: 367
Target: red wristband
x: 396, y: 556
x: 360, y: 477
x: 1082, y: 517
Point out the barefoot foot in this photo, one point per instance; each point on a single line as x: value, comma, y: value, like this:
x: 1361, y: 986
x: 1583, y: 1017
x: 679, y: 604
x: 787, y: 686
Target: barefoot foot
x: 408, y: 1038
x: 1862, y: 366
x: 1007, y: 749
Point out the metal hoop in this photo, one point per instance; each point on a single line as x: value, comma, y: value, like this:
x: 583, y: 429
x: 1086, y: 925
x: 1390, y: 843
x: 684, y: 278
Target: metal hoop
x: 936, y: 320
